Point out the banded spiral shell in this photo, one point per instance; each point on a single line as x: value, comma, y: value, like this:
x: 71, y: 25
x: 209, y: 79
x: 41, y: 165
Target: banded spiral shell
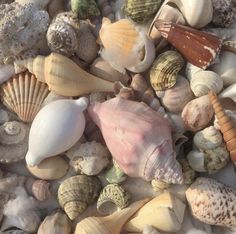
x: 163, y: 73
x: 24, y: 95
x: 76, y: 193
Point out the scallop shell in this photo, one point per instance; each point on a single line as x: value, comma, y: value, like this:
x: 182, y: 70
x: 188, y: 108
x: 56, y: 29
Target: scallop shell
x: 163, y: 73
x: 141, y: 11
x: 24, y: 95
x: 76, y: 193
x: 113, y: 197
x: 40, y: 190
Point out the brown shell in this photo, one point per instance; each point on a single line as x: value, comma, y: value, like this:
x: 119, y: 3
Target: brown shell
x: 24, y: 95
x: 40, y: 190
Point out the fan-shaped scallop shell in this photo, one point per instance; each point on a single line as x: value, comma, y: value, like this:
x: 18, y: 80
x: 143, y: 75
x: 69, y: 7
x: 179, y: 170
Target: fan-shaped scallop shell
x: 76, y: 193
x: 24, y: 95
x: 164, y: 71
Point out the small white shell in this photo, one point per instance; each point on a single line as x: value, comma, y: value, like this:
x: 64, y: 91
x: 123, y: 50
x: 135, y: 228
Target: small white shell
x: 229, y: 92
x: 196, y: 160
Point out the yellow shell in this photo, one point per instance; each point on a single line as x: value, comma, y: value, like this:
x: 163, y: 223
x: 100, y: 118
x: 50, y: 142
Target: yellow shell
x: 24, y: 95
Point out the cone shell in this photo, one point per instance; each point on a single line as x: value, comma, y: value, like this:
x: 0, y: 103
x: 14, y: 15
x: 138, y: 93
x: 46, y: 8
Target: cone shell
x: 40, y: 190
x: 165, y: 68
x: 76, y: 193
x: 24, y: 95
x: 226, y: 126
x: 199, y: 48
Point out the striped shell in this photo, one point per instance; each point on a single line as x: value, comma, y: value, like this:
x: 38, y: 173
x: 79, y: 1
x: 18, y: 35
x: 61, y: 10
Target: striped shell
x: 164, y: 71
x: 24, y: 95
x: 40, y: 190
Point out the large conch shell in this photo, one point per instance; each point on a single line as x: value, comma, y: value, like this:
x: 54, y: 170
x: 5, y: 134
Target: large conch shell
x: 164, y: 212
x: 138, y: 138
x: 56, y: 128
x: 226, y: 126
x: 63, y: 76
x: 111, y: 224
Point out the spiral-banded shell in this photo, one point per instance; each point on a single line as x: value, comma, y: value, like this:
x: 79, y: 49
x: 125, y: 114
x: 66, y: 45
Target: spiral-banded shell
x: 40, y: 190
x: 76, y: 193
x: 163, y: 73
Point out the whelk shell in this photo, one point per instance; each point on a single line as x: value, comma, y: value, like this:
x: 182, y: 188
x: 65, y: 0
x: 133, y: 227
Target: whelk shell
x: 40, y: 190
x: 24, y: 95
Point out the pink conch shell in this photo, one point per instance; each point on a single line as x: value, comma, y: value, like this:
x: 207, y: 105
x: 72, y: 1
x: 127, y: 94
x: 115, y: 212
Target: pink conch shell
x: 138, y: 138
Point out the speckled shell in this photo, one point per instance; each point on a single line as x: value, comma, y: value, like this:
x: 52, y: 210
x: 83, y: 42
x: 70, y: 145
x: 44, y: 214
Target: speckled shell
x: 163, y: 73
x: 24, y: 95
x: 159, y: 186
x: 188, y: 173
x: 113, y: 197
x: 212, y: 202
x: 76, y: 193
x: 141, y: 11
x: 40, y: 190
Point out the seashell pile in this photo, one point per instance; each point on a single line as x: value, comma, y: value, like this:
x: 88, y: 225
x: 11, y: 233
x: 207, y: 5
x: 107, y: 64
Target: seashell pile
x: 117, y: 116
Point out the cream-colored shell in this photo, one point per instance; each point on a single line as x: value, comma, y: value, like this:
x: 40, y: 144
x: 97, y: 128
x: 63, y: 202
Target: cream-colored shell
x: 188, y: 173
x: 229, y: 92
x: 40, y: 190
x: 159, y: 186
x: 232, y: 116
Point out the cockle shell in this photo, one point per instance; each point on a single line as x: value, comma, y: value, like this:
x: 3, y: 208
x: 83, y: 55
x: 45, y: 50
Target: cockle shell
x: 125, y: 46
x: 141, y: 11
x: 197, y: 113
x: 40, y: 190
x: 113, y: 197
x: 13, y: 141
x: 111, y: 224
x: 61, y: 133
x: 199, y: 48
x: 76, y: 193
x: 164, y: 71
x: 164, y: 212
x: 24, y: 95
x: 212, y: 202
x: 138, y: 138
x: 61, y: 75
x: 175, y: 98
x: 56, y: 223
x: 201, y: 81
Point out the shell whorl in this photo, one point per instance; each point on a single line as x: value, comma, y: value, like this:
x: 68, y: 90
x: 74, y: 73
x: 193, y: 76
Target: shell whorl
x: 226, y: 126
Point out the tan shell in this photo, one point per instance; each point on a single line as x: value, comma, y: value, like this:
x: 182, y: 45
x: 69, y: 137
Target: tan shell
x: 188, y: 173
x: 24, y: 95
x: 159, y: 186
x: 40, y: 190
x: 50, y: 168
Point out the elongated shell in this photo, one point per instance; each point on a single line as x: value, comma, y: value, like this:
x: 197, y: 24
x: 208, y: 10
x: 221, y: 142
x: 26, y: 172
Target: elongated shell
x: 40, y: 190
x: 163, y: 73
x: 24, y: 95
x: 164, y: 212
x: 61, y: 75
x: 205, y: 196
x: 76, y: 193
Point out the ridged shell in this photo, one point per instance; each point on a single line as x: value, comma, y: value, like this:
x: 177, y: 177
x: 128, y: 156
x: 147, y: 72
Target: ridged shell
x: 40, y: 190
x: 141, y: 11
x: 159, y: 186
x: 164, y: 71
x: 76, y: 193
x: 24, y: 95
x: 229, y: 92
x: 113, y: 197
x: 232, y: 116
x: 188, y: 173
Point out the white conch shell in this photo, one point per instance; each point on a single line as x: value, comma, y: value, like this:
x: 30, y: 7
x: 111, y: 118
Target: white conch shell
x: 202, y: 81
x: 57, y: 127
x: 229, y: 92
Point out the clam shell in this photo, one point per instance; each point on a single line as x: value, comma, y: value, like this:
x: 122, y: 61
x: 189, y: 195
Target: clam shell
x: 24, y: 95
x: 40, y: 190
x: 163, y: 73
x: 113, y: 197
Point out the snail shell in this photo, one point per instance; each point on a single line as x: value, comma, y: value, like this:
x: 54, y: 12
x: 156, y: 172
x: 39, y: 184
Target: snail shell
x: 40, y: 190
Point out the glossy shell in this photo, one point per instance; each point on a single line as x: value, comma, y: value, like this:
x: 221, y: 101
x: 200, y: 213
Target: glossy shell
x: 40, y: 190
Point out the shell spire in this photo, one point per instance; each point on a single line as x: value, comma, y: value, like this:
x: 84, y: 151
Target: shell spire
x: 226, y: 126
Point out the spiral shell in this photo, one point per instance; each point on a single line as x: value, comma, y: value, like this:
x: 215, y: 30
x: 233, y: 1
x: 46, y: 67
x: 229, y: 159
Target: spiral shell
x: 188, y: 173
x: 163, y: 73
x: 40, y: 190
x: 76, y: 193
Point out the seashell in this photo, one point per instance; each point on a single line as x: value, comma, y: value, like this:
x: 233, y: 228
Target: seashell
x: 205, y: 196
x: 188, y: 173
x: 61, y: 76
x: 4, y: 116
x: 163, y: 73
x: 229, y: 46
x: 50, y: 168
x: 144, y: 159
x: 14, y: 139
x: 56, y: 223
x: 89, y: 158
x: 115, y: 175
x: 176, y: 122
x: 232, y: 116
x: 4, y: 197
x: 51, y: 97
x: 15, y: 231
x: 106, y: 9
x: 197, y: 113
x: 206, y: 46
x: 63, y: 132
x: 229, y: 92
x: 113, y: 197
x: 150, y: 230
x: 224, y: 13
x: 9, y: 183
x: 24, y: 95
x: 164, y: 212
x: 141, y: 11
x: 159, y: 186
x: 41, y: 4
x: 201, y: 82
x: 6, y: 72
x: 175, y: 98
x: 226, y: 126
x: 55, y: 7
x: 126, y: 46
x: 40, y: 190
x: 111, y: 224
